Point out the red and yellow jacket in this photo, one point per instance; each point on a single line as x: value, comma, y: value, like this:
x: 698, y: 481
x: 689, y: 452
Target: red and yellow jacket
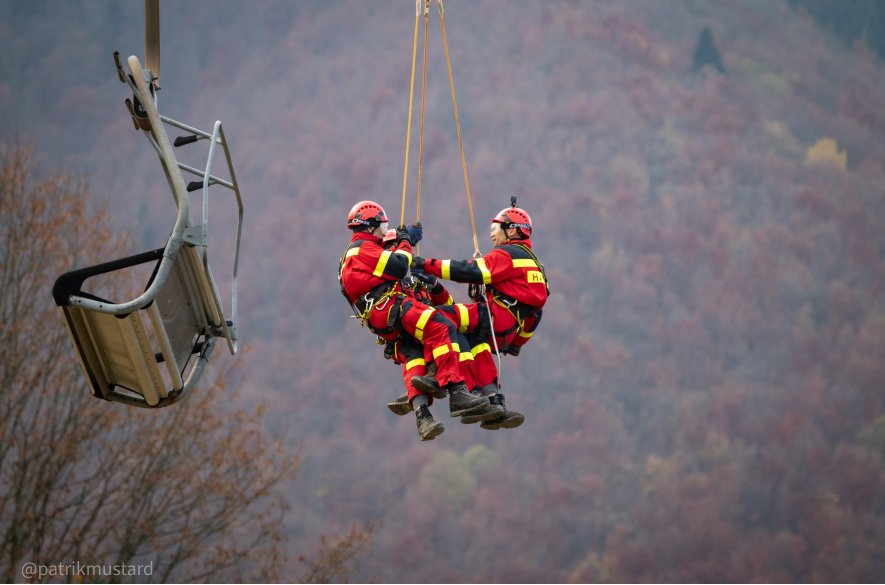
x: 510, y: 269
x: 367, y: 265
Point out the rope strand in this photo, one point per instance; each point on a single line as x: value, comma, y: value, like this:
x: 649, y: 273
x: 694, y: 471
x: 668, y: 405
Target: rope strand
x: 402, y: 217
x: 421, y: 131
x: 442, y: 23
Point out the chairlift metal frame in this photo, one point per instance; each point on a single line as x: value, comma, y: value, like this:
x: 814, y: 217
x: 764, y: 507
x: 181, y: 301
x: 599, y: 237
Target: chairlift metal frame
x: 120, y: 346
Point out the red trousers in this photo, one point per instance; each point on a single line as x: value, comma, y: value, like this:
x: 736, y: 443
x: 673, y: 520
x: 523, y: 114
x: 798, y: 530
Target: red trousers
x: 508, y: 331
x: 427, y: 326
x: 476, y: 362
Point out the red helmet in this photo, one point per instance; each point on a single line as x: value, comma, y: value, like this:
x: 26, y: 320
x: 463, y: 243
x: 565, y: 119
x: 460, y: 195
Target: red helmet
x: 366, y: 213
x: 514, y: 217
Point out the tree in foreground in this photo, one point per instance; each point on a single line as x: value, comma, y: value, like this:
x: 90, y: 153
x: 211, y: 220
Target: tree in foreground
x: 192, y: 491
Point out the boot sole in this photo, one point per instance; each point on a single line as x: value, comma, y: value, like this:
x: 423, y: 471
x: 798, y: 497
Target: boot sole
x: 469, y: 419
x: 399, y: 408
x: 434, y: 431
x: 506, y: 422
x: 425, y: 388
x: 463, y: 411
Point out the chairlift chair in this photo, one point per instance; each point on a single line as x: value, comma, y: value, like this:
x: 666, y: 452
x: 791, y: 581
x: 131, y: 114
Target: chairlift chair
x: 137, y: 352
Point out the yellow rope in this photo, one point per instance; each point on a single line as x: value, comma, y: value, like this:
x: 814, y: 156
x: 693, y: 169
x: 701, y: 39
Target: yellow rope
x: 421, y: 131
x: 402, y: 217
x: 442, y: 23
x: 423, y: 94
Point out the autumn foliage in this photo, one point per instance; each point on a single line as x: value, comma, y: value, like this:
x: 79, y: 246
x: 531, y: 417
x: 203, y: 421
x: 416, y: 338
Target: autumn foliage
x: 705, y: 395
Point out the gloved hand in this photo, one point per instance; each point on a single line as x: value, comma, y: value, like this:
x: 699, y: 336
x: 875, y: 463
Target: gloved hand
x: 427, y: 279
x: 389, y: 350
x: 417, y: 263
x: 512, y: 350
x: 416, y: 232
x: 402, y: 234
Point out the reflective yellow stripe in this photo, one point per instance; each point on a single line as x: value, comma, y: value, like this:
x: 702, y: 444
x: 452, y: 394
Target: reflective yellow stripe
x: 415, y: 363
x: 422, y: 321
x: 524, y: 334
x: 465, y: 317
x: 478, y: 349
x: 446, y: 270
x: 486, y: 275
x: 404, y: 253
x: 456, y: 347
x: 382, y: 263
x: 534, y: 277
x: 524, y: 263
x: 465, y: 356
x: 352, y: 252
x: 441, y: 350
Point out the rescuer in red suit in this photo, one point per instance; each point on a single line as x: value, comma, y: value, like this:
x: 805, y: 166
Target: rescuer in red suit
x: 477, y: 363
x: 515, y: 286
x: 370, y: 278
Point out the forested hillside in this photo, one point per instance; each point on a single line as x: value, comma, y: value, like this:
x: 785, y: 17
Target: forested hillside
x: 705, y: 397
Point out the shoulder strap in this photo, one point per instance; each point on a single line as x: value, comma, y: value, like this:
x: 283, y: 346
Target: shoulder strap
x: 534, y: 258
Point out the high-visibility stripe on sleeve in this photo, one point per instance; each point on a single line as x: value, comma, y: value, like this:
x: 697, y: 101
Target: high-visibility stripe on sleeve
x: 440, y: 350
x: 422, y: 321
x: 404, y: 253
x: 525, y: 334
x: 465, y: 317
x: 479, y: 348
x: 415, y: 363
x: 352, y: 252
x: 465, y: 356
x: 446, y: 270
x: 524, y: 263
x: 382, y: 263
x: 486, y: 275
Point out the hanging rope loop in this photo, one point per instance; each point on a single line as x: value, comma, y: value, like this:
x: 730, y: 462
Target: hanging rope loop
x: 402, y: 217
x: 426, y: 11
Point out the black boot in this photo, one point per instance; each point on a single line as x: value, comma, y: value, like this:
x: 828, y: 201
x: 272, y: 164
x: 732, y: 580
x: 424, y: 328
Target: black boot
x: 400, y: 405
x: 461, y: 401
x: 427, y: 427
x: 488, y: 412
x: 427, y: 383
x: 510, y: 419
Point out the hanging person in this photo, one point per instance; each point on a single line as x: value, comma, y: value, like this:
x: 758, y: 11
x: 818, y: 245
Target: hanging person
x: 370, y: 278
x: 515, y: 282
x: 477, y: 363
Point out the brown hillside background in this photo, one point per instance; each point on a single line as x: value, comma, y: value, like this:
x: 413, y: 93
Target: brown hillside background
x: 705, y: 397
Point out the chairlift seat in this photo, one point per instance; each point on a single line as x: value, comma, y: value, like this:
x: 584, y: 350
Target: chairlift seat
x: 140, y: 357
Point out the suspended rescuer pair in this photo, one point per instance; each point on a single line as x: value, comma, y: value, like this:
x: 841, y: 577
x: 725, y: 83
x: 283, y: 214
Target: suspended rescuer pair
x: 453, y: 339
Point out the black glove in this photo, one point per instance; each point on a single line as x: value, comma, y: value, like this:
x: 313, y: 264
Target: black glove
x: 427, y: 279
x: 417, y: 263
x: 512, y: 350
x: 401, y: 234
x: 474, y: 291
x: 416, y: 232
x: 389, y: 350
